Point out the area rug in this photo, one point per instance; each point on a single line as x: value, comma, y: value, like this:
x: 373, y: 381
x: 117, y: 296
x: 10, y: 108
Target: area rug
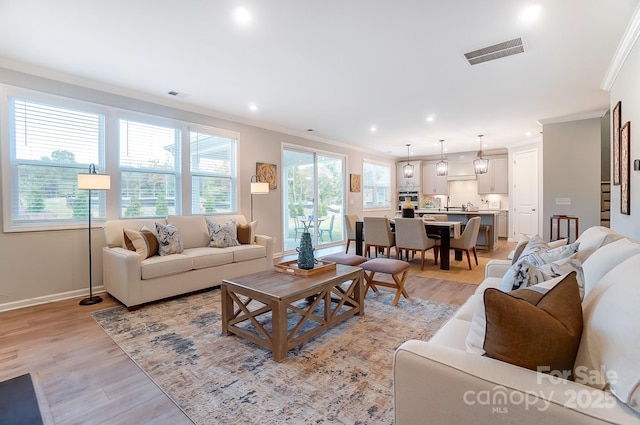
x: 18, y: 402
x: 343, y: 375
x: 458, y: 270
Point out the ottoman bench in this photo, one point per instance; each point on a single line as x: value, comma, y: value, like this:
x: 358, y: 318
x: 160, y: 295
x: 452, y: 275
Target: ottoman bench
x: 345, y: 259
x: 396, y: 268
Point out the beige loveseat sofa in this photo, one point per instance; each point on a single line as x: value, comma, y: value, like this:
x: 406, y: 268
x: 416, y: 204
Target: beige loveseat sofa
x: 442, y: 382
x: 134, y: 281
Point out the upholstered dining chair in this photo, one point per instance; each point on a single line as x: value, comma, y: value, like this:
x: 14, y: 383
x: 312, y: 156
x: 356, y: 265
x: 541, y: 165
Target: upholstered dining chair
x: 379, y: 235
x: 412, y: 237
x: 350, y: 226
x: 467, y: 240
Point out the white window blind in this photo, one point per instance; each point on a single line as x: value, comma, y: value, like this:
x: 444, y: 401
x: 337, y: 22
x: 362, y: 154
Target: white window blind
x: 49, y: 145
x: 149, y: 169
x: 213, y: 172
x: 376, y: 185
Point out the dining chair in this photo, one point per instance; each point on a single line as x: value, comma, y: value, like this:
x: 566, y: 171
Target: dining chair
x: 379, y: 235
x: 411, y: 236
x: 328, y: 230
x: 298, y: 227
x: 467, y: 240
x: 350, y: 226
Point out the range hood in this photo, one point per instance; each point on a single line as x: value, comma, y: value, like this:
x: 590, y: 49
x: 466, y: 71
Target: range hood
x: 461, y: 170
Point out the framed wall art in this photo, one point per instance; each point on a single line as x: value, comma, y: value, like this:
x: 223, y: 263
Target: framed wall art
x: 267, y: 173
x: 617, y: 123
x: 625, y: 163
x: 354, y: 182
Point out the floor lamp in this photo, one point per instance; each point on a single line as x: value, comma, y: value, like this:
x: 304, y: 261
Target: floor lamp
x: 92, y: 181
x: 257, y: 188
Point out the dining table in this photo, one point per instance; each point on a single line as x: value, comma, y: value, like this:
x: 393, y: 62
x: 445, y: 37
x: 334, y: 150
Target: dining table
x: 441, y: 228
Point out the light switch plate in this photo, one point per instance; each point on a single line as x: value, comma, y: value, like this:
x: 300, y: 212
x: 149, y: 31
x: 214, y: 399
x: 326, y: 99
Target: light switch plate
x: 636, y: 164
x: 563, y: 201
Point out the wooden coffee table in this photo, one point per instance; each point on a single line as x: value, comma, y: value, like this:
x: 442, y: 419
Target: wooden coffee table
x: 337, y: 295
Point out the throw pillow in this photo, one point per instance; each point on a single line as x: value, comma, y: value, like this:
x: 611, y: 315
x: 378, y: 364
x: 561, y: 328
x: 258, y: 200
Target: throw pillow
x: 538, y: 274
x: 536, y: 252
x: 223, y: 234
x: 246, y: 233
x: 538, y: 327
x: 522, y: 243
x: 168, y: 239
x: 143, y: 242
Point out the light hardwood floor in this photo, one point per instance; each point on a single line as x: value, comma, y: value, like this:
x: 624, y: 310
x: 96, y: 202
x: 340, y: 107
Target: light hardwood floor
x: 82, y: 377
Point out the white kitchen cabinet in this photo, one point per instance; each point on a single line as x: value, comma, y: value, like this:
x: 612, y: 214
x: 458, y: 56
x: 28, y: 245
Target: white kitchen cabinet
x: 433, y: 184
x: 503, y: 224
x: 495, y: 180
x: 412, y: 183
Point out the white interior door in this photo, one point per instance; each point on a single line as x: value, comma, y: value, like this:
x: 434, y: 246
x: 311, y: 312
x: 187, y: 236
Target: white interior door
x: 525, y: 193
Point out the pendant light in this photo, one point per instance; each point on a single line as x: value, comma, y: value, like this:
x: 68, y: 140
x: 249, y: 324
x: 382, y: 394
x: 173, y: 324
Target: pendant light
x: 480, y: 164
x: 442, y: 167
x: 408, y: 169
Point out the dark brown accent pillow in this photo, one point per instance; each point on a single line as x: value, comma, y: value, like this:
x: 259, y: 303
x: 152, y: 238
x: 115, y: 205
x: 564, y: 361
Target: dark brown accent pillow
x: 532, y: 328
x: 244, y: 233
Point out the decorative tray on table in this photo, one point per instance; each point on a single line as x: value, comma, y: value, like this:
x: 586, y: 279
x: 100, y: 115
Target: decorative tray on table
x: 291, y: 267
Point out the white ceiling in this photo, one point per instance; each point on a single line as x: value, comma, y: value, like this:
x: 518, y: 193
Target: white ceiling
x: 338, y: 67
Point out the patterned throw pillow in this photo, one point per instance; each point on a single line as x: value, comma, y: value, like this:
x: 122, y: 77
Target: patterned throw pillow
x: 536, y: 252
x: 223, y: 234
x: 168, y: 239
x: 541, y: 273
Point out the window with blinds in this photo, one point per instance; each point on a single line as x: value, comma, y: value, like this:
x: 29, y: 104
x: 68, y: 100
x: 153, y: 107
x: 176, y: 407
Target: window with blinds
x: 49, y: 146
x: 213, y: 172
x: 149, y: 169
x: 376, y: 185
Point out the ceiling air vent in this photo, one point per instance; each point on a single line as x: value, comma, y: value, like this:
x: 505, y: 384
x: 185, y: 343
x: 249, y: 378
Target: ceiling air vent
x: 497, y: 51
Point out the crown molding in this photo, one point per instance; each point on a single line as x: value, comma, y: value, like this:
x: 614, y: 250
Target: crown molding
x: 622, y: 52
x: 574, y: 117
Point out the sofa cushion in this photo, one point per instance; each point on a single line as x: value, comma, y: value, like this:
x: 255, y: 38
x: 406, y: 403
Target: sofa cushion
x: 611, y: 336
x: 193, y: 229
x: 452, y: 334
x: 169, y: 241
x: 209, y: 257
x: 593, y: 238
x: 536, y: 252
x: 247, y: 232
x: 166, y: 265
x: 223, y: 234
x: 534, y: 327
x: 143, y: 242
x: 247, y: 252
x: 606, y: 258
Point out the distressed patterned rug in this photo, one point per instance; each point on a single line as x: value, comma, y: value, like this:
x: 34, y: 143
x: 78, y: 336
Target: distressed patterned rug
x: 343, y: 375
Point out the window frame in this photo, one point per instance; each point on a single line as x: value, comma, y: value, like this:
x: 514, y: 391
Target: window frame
x: 388, y: 201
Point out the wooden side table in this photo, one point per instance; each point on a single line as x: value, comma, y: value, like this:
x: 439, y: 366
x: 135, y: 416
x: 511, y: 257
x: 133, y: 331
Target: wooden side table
x: 559, y: 219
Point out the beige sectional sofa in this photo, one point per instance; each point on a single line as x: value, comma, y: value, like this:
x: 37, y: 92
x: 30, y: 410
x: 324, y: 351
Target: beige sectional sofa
x: 443, y: 382
x: 134, y: 281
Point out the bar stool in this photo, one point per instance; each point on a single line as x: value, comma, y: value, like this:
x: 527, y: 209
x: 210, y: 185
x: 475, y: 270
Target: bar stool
x: 488, y: 237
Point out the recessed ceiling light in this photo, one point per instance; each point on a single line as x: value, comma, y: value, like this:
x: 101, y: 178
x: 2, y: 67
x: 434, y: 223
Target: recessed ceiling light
x: 253, y: 106
x: 373, y: 129
x: 529, y: 133
x: 431, y: 118
x: 242, y: 15
x: 530, y: 13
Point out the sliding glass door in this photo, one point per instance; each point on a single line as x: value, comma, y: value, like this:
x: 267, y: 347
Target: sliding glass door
x: 313, y: 198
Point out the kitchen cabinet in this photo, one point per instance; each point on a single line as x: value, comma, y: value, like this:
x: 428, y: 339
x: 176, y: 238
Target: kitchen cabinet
x: 433, y: 184
x: 503, y: 224
x: 495, y: 180
x: 412, y: 183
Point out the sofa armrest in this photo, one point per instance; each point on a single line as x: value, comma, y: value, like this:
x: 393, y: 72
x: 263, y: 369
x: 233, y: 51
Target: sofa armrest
x: 267, y: 242
x: 447, y: 385
x: 122, y: 275
x: 496, y: 268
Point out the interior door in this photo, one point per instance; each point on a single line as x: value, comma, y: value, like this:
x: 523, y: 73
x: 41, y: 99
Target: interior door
x: 525, y: 193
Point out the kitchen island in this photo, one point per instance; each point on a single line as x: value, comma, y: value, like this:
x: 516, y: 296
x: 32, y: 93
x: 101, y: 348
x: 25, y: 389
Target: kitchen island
x: 487, y: 218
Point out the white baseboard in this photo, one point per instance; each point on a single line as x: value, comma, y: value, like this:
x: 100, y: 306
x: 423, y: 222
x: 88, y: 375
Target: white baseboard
x: 48, y: 299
